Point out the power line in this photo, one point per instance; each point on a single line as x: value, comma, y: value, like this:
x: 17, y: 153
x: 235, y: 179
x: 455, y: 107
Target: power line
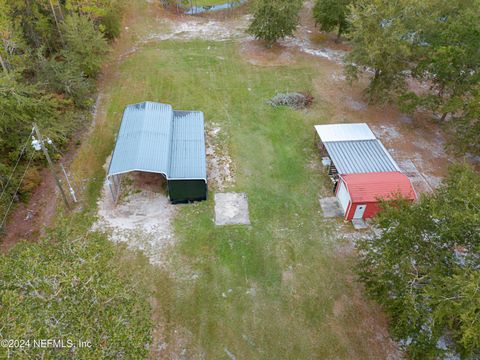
x: 16, y: 164
x: 16, y: 191
x: 50, y: 164
x: 72, y: 191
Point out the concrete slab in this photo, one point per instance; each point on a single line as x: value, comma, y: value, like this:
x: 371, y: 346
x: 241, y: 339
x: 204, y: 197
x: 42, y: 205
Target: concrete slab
x: 331, y: 207
x: 231, y: 209
x: 359, y: 224
x: 419, y: 181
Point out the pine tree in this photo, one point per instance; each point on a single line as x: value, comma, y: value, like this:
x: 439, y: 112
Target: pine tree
x: 274, y: 19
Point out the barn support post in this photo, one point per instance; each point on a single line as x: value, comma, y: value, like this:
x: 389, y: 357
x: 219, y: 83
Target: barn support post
x: 114, y: 186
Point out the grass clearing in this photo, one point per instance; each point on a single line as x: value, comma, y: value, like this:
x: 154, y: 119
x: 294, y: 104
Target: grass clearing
x: 262, y: 291
x: 274, y: 289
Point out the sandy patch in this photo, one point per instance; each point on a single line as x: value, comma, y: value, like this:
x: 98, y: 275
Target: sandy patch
x: 142, y: 219
x: 193, y: 28
x: 308, y: 47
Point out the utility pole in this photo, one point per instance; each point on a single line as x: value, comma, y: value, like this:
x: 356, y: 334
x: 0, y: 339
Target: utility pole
x: 50, y: 164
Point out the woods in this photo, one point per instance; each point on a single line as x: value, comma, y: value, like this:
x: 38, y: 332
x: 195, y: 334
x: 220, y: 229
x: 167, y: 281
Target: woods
x: 50, y: 54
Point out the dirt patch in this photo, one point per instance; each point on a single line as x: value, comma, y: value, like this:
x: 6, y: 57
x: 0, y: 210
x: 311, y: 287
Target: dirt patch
x: 192, y: 28
x: 142, y: 219
x: 256, y: 53
x: 347, y: 309
x: 220, y: 172
x: 29, y: 221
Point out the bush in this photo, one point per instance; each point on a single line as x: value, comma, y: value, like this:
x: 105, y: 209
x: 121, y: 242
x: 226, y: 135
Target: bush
x: 294, y: 100
x: 110, y: 24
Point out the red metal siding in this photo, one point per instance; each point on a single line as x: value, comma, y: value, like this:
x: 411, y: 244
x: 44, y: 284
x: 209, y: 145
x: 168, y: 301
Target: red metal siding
x: 371, y: 210
x: 368, y: 187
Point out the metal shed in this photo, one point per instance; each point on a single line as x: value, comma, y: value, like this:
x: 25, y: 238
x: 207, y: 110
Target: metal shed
x: 359, y: 194
x: 156, y: 139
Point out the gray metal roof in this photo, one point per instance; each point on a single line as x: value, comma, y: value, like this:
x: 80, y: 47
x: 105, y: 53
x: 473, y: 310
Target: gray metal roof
x: 154, y: 138
x: 365, y: 156
x: 188, y: 146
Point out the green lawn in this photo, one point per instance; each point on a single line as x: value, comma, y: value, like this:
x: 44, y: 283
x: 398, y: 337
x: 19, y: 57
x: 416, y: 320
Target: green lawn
x: 280, y: 276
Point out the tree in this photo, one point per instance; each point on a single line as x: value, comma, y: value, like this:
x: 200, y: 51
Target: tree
x: 331, y: 14
x: 72, y: 287
x: 435, y: 42
x: 447, y: 55
x: 274, y: 19
x: 12, y: 44
x: 84, y: 45
x: 105, y: 14
x: 423, y: 267
x: 22, y: 105
x: 377, y: 33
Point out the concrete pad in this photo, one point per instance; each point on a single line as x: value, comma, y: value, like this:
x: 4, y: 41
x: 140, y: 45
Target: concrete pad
x: 331, y: 207
x: 231, y: 209
x: 419, y: 181
x: 359, y: 224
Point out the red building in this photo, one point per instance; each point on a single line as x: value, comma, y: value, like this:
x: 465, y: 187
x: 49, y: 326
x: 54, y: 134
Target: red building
x: 359, y: 194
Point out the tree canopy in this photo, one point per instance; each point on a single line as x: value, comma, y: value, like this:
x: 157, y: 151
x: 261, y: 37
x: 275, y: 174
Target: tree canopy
x: 432, y: 42
x: 331, y: 14
x: 70, y: 287
x: 50, y: 53
x: 423, y: 268
x: 274, y: 19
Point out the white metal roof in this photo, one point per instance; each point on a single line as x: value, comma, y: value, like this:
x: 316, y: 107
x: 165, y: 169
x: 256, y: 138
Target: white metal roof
x: 344, y: 132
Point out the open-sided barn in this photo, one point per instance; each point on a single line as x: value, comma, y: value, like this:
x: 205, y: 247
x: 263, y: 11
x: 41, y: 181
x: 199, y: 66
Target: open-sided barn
x: 154, y: 138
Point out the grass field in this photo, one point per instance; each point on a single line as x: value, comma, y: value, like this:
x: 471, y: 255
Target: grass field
x: 268, y: 290
x: 272, y: 290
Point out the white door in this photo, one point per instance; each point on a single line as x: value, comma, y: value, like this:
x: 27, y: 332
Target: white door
x: 359, y: 211
x: 343, y: 196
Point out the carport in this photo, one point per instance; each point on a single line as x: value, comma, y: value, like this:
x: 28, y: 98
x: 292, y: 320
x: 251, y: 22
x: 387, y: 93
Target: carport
x: 154, y: 138
x: 353, y: 149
